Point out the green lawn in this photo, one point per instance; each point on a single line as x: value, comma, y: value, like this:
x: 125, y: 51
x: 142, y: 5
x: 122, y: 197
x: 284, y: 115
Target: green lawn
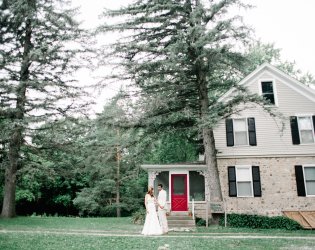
x: 117, y: 225
x: 120, y: 233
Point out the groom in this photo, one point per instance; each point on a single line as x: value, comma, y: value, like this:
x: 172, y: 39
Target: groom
x: 162, y: 211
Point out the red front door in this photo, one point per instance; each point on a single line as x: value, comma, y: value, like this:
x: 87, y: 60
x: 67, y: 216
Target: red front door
x: 179, y: 192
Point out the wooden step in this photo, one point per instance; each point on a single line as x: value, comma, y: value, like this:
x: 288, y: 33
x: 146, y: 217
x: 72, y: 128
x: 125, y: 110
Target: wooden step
x: 171, y: 217
x: 185, y: 213
x: 181, y: 222
x: 305, y: 218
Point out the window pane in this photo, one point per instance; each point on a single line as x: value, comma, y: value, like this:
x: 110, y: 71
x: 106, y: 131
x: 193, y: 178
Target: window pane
x: 243, y: 174
x: 179, y: 185
x: 267, y: 87
x: 270, y: 97
x: 310, y: 187
x: 309, y: 173
x: 244, y: 189
x: 196, y: 186
x: 241, y: 138
x: 239, y: 124
x: 305, y: 123
x: 162, y: 178
x: 307, y: 136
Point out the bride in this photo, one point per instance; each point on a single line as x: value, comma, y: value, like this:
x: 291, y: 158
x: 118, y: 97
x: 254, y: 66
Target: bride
x: 151, y: 225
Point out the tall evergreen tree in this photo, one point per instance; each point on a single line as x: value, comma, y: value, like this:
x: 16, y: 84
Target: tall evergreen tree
x: 41, y: 46
x: 182, y: 56
x: 111, y: 165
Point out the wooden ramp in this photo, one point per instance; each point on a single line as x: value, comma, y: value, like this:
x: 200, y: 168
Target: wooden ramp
x: 305, y: 218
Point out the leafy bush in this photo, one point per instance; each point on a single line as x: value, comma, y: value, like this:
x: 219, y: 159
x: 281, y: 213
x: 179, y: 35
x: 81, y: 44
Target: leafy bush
x: 138, y: 217
x: 262, y: 222
x: 201, y: 222
x: 33, y: 215
x: 56, y: 215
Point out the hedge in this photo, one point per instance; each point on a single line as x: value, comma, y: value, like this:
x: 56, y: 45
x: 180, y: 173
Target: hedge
x: 262, y: 222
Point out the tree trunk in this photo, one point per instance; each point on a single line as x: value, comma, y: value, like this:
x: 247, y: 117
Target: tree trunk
x: 118, y: 197
x: 118, y: 181
x: 208, y: 137
x: 16, y: 140
x: 209, y: 145
x: 8, y: 207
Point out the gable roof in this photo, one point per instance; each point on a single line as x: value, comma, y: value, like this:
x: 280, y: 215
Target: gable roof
x: 277, y: 74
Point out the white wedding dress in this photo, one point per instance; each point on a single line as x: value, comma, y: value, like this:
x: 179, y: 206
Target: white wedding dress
x: 151, y: 225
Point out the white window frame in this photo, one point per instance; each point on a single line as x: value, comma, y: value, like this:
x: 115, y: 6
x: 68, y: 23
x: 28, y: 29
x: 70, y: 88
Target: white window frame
x: 251, y: 179
x: 188, y: 186
x: 274, y: 86
x: 307, y: 166
x: 246, y: 124
x: 310, y: 116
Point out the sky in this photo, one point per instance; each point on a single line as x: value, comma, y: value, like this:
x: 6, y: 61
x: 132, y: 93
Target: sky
x: 287, y: 23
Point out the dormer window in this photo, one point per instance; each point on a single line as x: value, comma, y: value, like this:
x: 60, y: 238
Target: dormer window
x: 267, y: 91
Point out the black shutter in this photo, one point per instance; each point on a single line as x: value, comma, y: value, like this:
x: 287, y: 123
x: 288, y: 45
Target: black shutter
x: 229, y: 132
x: 314, y: 122
x: 299, y: 180
x: 252, y: 132
x: 295, y: 130
x: 232, y: 182
x: 256, y: 181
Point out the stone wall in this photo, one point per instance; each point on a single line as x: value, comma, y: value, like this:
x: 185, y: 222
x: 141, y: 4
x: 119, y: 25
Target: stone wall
x: 278, y: 186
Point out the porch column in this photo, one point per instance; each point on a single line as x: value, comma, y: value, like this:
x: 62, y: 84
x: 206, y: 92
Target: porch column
x: 152, y: 176
x: 205, y: 173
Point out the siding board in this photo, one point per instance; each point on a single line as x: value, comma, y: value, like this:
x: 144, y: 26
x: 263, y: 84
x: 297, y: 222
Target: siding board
x: 270, y: 141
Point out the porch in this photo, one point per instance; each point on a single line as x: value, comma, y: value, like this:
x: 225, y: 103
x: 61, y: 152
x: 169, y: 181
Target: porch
x: 186, y: 185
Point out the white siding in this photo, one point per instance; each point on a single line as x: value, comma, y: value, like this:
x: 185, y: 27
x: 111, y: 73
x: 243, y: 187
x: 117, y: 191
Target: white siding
x: 269, y: 140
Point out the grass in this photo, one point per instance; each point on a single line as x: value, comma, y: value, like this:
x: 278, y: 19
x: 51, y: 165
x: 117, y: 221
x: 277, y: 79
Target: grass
x: 53, y: 233
x: 46, y: 241
x: 118, y: 225
x: 249, y: 231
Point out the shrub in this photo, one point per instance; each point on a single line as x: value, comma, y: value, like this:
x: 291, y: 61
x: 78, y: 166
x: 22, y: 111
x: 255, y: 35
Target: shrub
x: 138, y: 217
x: 201, y: 222
x: 33, y: 215
x: 56, y: 215
x: 262, y: 222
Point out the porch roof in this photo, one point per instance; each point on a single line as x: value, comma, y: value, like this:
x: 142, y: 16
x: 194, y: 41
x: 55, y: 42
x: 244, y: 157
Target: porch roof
x: 195, y: 165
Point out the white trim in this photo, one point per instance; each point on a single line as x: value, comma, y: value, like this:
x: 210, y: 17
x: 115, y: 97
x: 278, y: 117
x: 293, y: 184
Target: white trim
x: 173, y: 167
x: 303, y: 166
x: 220, y: 156
x: 276, y: 73
x: 301, y: 114
x: 308, y: 165
x: 311, y: 143
x: 249, y: 167
x: 188, y: 184
x: 247, y: 134
x: 274, y: 88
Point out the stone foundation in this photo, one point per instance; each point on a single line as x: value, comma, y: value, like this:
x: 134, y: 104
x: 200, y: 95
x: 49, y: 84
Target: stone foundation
x: 278, y: 186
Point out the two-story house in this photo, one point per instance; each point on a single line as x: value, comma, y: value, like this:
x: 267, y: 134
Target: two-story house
x: 263, y: 169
